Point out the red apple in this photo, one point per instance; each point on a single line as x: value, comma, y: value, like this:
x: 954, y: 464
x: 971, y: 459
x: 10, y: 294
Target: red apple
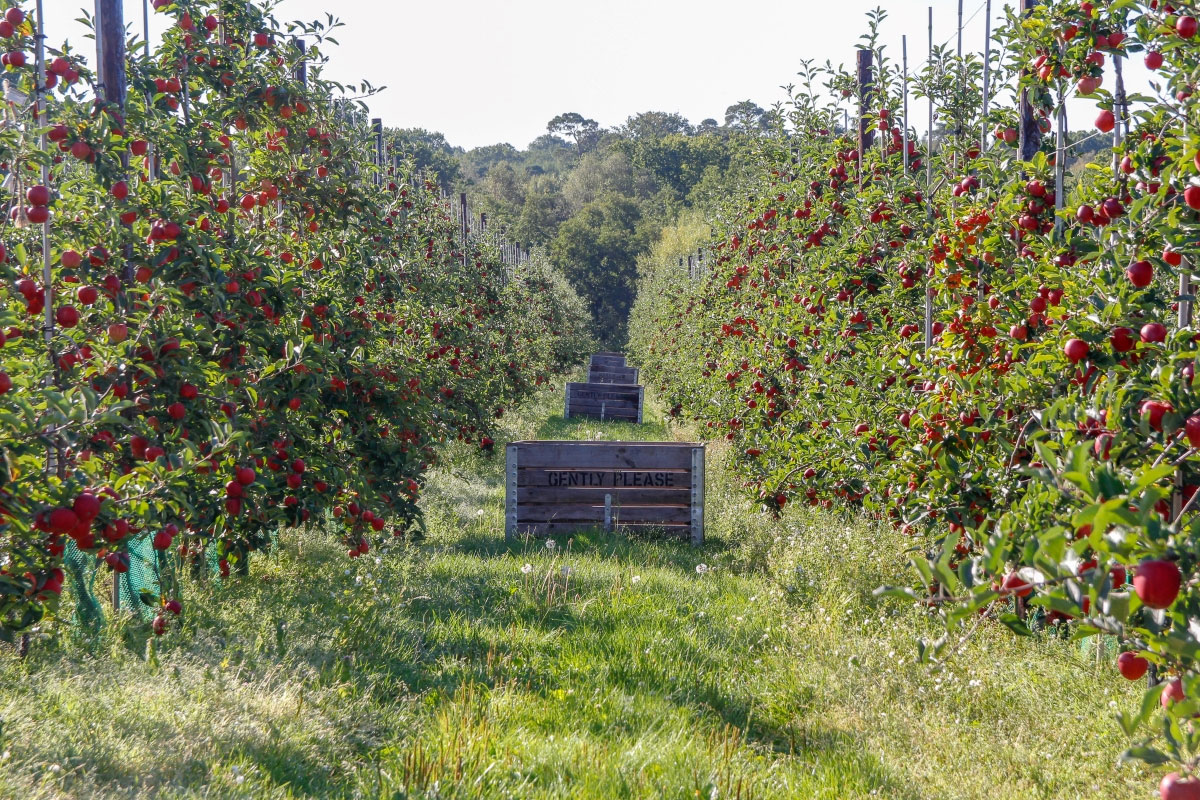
x: 1176, y: 787
x: 1157, y: 582
x: 1132, y: 666
x: 1076, y: 350
x: 1140, y: 273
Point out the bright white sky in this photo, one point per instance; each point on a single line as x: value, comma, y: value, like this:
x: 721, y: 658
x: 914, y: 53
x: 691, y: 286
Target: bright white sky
x: 483, y: 72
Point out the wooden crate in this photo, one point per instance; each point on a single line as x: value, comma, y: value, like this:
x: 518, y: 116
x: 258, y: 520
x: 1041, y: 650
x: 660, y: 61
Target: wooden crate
x: 608, y: 401
x: 597, y: 374
x: 607, y: 360
x: 556, y: 486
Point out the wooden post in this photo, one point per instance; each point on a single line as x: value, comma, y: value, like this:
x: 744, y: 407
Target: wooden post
x: 1060, y: 167
x: 960, y: 28
x: 464, y: 224
x: 904, y: 89
x: 1031, y: 134
x: 110, y: 51
x: 987, y: 75
x: 377, y: 128
x: 929, y: 201
x: 53, y: 463
x: 1119, y: 105
x: 866, y: 133
x: 302, y: 65
x: 110, y: 69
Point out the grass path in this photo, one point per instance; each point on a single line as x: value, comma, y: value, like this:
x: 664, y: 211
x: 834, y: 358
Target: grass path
x: 604, y: 668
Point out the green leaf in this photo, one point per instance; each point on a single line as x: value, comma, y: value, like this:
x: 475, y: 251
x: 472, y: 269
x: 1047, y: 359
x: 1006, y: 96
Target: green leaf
x: 1145, y: 754
x: 1015, y: 624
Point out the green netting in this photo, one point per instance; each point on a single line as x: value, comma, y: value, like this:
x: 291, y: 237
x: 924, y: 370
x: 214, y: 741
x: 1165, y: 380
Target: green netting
x: 140, y: 589
x: 80, y: 568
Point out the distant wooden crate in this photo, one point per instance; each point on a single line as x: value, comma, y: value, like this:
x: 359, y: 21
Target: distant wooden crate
x: 556, y: 486
x: 608, y: 401
x: 607, y: 360
x: 613, y: 374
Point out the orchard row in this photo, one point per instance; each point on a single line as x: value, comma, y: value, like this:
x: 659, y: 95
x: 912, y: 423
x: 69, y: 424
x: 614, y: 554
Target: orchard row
x: 1040, y: 441
x: 220, y: 315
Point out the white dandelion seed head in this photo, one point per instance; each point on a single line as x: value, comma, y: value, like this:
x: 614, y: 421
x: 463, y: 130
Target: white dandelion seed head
x: 636, y: 579
x: 551, y: 544
x: 527, y: 568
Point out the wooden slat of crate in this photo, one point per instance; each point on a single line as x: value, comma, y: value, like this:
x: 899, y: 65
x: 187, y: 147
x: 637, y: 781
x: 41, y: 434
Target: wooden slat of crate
x: 607, y: 414
x: 604, y: 391
x: 626, y: 375
x: 585, y: 512
x: 603, y: 401
x: 569, y: 455
x: 546, y: 528
x: 629, y: 406
x: 559, y: 486
x: 607, y: 360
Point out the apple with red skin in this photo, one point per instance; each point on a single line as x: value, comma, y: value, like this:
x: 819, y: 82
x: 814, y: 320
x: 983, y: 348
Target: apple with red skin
x: 67, y: 316
x: 1191, y: 428
x: 1014, y: 584
x: 1191, y: 196
x: 1140, y: 274
x: 1157, y: 582
x: 38, y: 196
x: 1175, y: 787
x: 1076, y: 350
x: 86, y: 507
x: 1172, y: 692
x: 1154, y: 333
x: 1154, y: 411
x: 1132, y: 666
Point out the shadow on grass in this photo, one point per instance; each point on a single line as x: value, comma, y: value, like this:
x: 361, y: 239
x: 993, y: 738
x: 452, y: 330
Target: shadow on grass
x: 585, y: 428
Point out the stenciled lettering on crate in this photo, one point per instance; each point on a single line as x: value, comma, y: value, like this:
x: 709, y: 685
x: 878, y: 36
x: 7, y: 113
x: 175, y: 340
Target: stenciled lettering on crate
x: 560, y: 486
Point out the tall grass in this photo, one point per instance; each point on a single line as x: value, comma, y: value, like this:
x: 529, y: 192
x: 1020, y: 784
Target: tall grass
x: 759, y: 666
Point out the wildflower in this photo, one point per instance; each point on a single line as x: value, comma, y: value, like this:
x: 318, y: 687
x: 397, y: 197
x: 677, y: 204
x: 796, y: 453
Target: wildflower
x: 566, y: 571
x: 636, y: 579
x: 701, y: 569
x: 551, y: 544
x: 526, y: 569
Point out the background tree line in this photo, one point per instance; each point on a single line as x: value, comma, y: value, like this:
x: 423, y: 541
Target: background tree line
x: 595, y: 198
